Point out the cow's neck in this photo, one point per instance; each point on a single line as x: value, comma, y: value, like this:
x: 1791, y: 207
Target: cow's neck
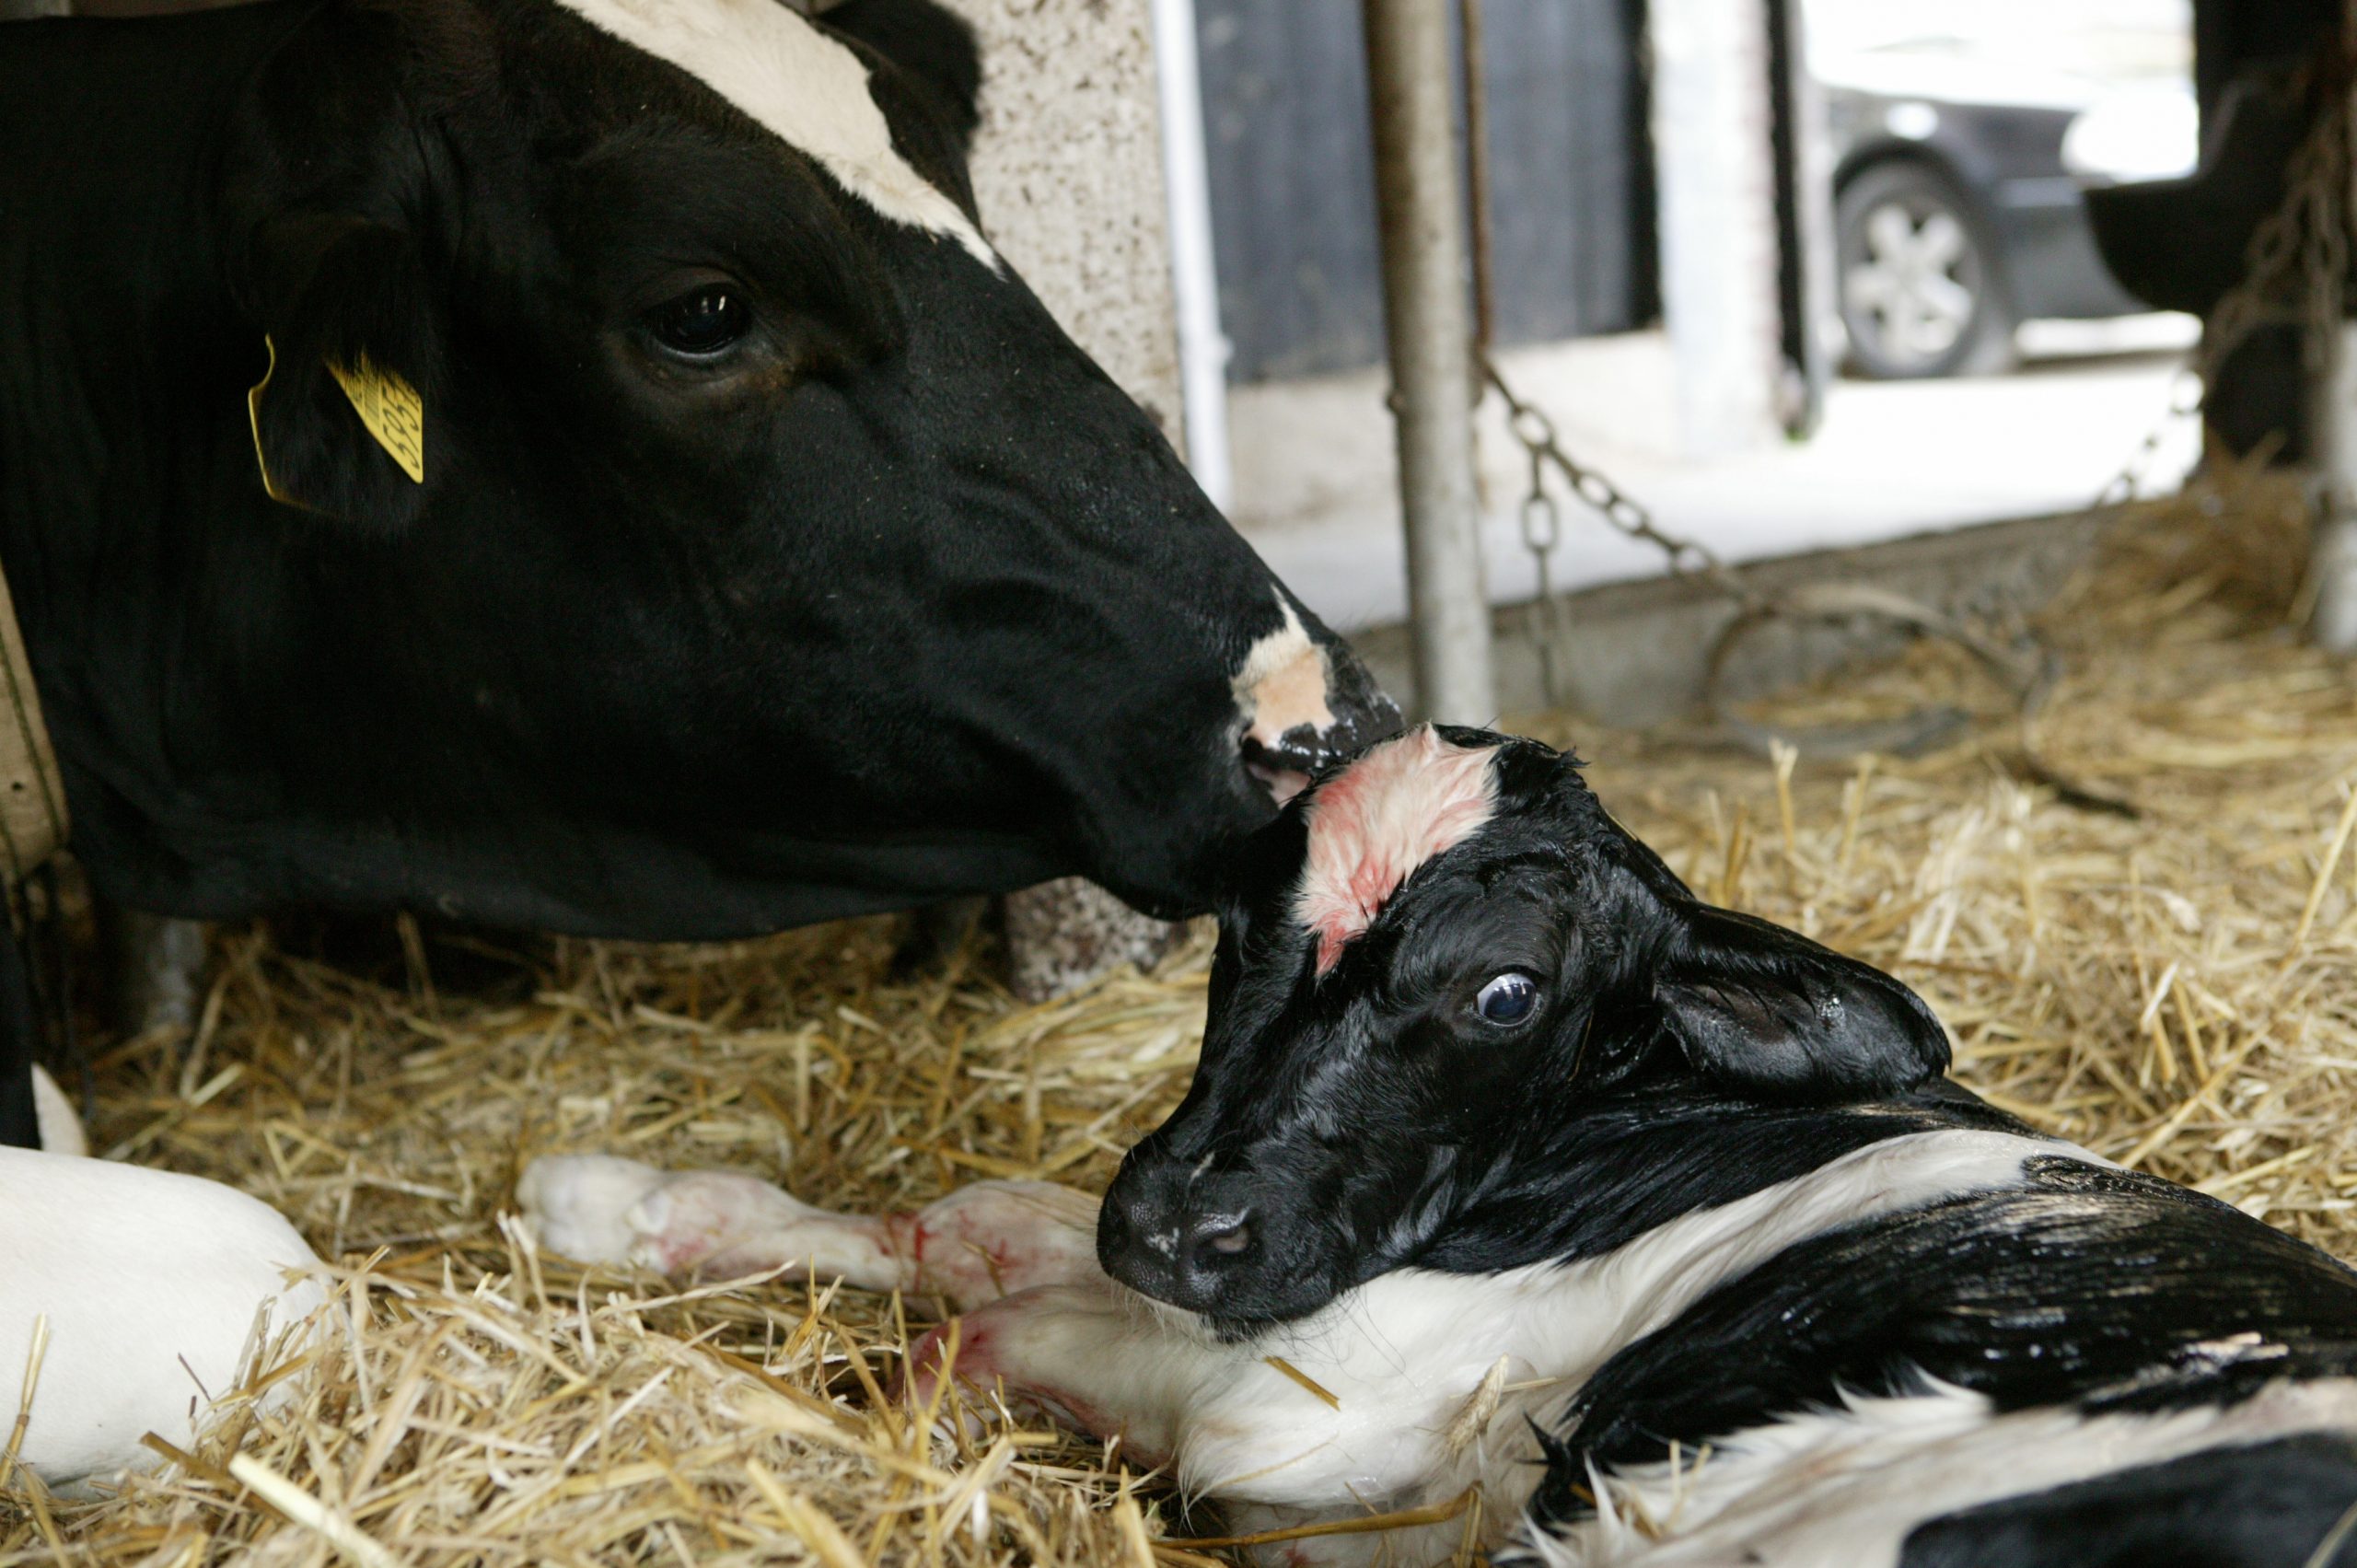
x: 121, y: 322
x: 122, y: 355
x: 122, y: 365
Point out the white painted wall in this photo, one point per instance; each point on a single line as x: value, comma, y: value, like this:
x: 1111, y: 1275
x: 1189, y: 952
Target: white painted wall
x: 1717, y: 191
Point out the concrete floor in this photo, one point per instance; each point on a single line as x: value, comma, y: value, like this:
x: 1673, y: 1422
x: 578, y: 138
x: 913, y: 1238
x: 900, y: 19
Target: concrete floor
x: 1316, y: 480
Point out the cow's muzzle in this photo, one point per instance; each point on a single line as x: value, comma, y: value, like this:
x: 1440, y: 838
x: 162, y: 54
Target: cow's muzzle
x: 1307, y: 703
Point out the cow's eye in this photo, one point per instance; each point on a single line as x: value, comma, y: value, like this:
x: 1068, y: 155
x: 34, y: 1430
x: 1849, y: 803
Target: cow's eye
x: 703, y: 322
x: 1508, y: 999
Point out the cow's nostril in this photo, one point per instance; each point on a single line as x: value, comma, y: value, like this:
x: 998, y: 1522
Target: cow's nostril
x: 1282, y: 783
x: 1282, y: 770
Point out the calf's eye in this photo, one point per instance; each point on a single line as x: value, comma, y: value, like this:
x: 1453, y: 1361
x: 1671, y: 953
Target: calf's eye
x: 702, y: 323
x: 1508, y: 999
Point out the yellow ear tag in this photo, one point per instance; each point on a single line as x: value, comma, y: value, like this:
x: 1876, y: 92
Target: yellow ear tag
x: 391, y: 409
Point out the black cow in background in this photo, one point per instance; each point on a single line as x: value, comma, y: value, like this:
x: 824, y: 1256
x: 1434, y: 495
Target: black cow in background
x: 578, y: 465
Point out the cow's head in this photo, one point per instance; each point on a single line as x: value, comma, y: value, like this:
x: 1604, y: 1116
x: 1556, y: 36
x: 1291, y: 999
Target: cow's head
x: 1437, y: 958
x: 766, y: 518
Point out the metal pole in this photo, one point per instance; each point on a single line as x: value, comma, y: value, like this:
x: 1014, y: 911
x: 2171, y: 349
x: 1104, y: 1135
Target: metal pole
x: 2332, y: 434
x: 2333, y: 437
x: 1422, y: 213
x: 1477, y: 172
x: 1203, y: 348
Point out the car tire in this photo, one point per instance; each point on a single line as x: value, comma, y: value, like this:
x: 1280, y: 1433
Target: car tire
x: 1920, y: 288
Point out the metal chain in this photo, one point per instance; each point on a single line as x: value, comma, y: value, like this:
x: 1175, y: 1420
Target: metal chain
x: 2301, y: 249
x: 1536, y: 431
x: 2296, y: 249
x: 1542, y: 529
x: 2294, y: 268
x: 2186, y: 395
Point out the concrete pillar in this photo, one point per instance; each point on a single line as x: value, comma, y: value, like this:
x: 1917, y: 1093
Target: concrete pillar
x: 1717, y: 197
x: 1068, y: 173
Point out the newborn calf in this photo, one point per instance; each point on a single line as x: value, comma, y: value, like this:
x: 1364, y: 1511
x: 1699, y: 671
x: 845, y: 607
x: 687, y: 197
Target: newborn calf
x: 1510, y: 1163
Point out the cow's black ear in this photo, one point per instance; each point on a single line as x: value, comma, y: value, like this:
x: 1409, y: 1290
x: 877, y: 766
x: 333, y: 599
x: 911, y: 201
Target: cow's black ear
x: 930, y: 44
x: 1766, y: 1011
x: 349, y: 419
x: 327, y: 187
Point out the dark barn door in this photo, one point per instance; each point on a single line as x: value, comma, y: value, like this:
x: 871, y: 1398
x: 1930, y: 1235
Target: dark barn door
x: 1293, y: 183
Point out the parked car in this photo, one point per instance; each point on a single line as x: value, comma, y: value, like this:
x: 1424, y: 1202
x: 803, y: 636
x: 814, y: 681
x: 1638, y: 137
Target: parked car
x: 1963, y: 137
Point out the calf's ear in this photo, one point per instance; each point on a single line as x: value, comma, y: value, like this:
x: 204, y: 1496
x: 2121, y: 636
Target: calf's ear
x: 1766, y: 1011
x: 347, y: 418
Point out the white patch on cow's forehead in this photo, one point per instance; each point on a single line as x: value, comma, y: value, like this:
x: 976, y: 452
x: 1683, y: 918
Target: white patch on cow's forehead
x: 1371, y: 824
x: 799, y: 82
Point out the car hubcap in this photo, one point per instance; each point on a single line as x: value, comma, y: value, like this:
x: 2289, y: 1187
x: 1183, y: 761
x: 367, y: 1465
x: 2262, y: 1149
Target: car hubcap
x: 1908, y: 288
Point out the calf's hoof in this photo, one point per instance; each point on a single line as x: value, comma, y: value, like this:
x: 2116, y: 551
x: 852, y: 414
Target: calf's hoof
x: 601, y: 1209
x: 585, y: 1206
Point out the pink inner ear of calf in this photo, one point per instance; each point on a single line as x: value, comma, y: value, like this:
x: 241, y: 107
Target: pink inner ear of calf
x: 1373, y: 824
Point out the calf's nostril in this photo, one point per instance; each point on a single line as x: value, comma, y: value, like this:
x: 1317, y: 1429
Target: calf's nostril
x: 1231, y: 1240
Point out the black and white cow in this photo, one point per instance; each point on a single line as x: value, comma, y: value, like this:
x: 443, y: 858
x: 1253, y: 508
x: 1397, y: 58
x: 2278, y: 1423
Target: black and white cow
x: 579, y: 465
x: 1659, y: 1224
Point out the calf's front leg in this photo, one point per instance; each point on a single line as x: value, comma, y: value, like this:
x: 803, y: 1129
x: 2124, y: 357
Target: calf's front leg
x: 981, y: 1242
x: 1017, y: 1259
x: 1326, y: 1420
x: 1285, y: 1429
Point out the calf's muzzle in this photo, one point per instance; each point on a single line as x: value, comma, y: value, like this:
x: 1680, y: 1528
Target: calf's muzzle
x: 1178, y: 1234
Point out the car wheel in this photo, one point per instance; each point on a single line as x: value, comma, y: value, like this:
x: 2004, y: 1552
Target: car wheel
x: 1920, y: 295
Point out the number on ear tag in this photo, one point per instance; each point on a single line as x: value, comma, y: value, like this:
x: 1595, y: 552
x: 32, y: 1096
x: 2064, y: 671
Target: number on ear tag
x: 391, y: 409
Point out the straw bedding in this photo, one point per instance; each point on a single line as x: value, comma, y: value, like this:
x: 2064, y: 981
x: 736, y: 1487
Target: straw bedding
x: 2173, y: 990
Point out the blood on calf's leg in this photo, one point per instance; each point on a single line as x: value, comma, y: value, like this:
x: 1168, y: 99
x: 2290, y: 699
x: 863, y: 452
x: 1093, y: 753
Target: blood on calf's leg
x: 1086, y: 1355
x: 995, y: 1238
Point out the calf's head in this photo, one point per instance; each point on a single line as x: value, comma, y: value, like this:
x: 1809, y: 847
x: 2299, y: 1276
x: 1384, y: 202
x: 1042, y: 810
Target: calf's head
x: 764, y: 514
x: 1433, y: 961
